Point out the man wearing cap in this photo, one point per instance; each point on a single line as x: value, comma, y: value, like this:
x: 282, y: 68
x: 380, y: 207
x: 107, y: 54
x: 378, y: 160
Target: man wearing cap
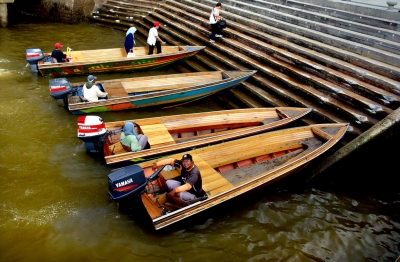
x: 91, y: 91
x: 58, y: 54
x: 154, y: 40
x: 188, y: 185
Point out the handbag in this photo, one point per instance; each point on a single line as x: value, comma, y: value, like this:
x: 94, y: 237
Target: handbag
x: 221, y: 23
x: 131, y: 54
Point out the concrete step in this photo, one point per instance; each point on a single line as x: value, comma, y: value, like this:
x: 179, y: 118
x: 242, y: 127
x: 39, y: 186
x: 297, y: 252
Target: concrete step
x: 126, y: 9
x: 321, y: 84
x: 365, y: 69
x: 280, y: 28
x: 350, y: 82
x: 372, y: 8
x: 279, y: 11
x: 383, y: 23
x: 134, y: 4
x: 266, y: 88
x: 346, y: 111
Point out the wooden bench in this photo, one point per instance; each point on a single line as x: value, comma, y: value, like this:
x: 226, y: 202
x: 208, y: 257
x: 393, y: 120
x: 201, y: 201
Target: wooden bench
x: 115, y: 90
x: 158, y: 135
x: 213, y: 182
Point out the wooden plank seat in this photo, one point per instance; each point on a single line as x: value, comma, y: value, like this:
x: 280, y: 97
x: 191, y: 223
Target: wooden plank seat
x: 151, y: 84
x: 115, y: 90
x: 157, y: 134
x: 213, y: 182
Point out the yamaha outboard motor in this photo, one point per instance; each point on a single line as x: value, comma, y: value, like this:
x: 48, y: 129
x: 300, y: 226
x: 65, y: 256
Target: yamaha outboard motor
x: 33, y: 56
x: 59, y: 87
x: 126, y: 184
x: 90, y: 130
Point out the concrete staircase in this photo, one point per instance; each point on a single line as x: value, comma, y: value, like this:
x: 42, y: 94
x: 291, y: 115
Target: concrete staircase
x: 344, y: 65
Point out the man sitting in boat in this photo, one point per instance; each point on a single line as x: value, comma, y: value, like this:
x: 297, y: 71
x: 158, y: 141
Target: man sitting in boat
x: 58, y: 55
x: 91, y: 91
x: 188, y: 185
x: 131, y: 139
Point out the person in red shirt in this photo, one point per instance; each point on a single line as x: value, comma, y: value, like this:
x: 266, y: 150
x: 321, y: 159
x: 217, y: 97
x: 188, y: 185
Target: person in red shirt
x: 58, y: 54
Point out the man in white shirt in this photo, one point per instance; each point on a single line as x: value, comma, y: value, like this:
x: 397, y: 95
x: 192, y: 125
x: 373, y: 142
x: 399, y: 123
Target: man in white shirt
x: 91, y: 91
x: 153, y: 40
x: 214, y: 17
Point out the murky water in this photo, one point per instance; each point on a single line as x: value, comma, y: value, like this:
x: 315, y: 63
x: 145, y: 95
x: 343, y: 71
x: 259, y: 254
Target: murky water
x: 54, y: 203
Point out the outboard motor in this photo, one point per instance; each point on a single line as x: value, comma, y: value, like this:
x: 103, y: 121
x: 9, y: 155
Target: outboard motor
x: 59, y: 87
x: 90, y: 130
x: 33, y: 56
x: 127, y: 183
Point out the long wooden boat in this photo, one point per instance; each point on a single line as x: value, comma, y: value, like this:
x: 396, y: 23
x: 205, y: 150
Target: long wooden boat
x: 229, y: 169
x: 168, y: 134
x: 139, y: 92
x: 108, y: 60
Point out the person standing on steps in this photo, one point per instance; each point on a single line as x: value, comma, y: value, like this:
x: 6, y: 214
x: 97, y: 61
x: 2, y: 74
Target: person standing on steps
x: 214, y: 17
x: 153, y: 40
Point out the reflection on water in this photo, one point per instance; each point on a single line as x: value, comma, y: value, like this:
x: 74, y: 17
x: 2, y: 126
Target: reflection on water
x: 54, y: 201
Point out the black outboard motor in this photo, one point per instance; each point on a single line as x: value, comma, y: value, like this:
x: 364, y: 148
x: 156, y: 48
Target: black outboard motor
x: 33, y: 56
x: 90, y: 131
x: 128, y: 183
x: 59, y: 87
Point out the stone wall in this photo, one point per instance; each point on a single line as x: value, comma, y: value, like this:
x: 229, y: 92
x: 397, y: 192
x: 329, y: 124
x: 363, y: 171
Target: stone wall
x: 65, y: 11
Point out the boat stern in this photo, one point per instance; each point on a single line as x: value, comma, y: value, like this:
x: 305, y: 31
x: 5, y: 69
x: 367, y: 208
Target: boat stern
x: 90, y: 131
x: 58, y: 88
x: 33, y: 56
x: 126, y: 183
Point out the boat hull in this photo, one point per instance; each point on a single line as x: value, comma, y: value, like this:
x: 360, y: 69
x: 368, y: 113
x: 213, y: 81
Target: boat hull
x: 124, y: 64
x: 165, y: 97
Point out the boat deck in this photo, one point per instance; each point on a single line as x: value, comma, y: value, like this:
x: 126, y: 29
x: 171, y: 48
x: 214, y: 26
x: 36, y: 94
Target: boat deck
x: 102, y: 55
x: 159, y: 83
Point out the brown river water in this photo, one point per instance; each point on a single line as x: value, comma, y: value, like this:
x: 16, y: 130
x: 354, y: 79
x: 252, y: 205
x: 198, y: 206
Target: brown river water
x: 54, y: 204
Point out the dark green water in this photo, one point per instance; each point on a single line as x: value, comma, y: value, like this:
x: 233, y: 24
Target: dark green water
x: 54, y: 204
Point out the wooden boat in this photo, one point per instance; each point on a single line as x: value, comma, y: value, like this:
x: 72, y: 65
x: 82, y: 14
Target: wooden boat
x: 229, y: 169
x: 138, y: 92
x: 108, y: 60
x: 176, y: 133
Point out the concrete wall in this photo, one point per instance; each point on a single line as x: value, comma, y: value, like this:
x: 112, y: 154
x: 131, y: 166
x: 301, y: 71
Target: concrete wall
x: 374, y: 8
x: 4, y: 12
x: 66, y: 11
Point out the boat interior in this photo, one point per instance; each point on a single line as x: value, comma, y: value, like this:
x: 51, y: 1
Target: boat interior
x: 101, y: 55
x: 175, y: 131
x: 143, y: 85
x: 223, y: 175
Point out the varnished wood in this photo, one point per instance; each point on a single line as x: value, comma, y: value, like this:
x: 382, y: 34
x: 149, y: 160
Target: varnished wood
x: 115, y: 89
x: 167, y: 134
x: 288, y: 150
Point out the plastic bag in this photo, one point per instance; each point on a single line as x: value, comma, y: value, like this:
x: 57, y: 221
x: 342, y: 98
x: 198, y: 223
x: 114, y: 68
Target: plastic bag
x: 131, y: 54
